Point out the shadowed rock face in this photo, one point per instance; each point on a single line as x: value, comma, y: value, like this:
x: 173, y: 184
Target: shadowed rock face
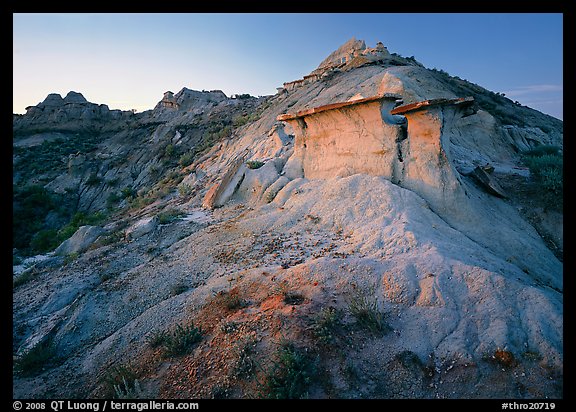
x: 72, y: 113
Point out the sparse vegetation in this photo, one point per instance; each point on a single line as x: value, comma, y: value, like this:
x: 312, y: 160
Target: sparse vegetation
x: 119, y: 381
x: 185, y: 189
x: 230, y: 300
x: 157, y: 338
x: 241, y: 120
x: 178, y: 289
x: 125, y: 390
x: 33, y: 205
x: 93, y: 180
x: 504, y: 357
x: 271, y: 195
x: 36, y: 359
x: 47, y: 158
x: 326, y: 324
x: 293, y: 298
x: 128, y: 193
x: 546, y: 165
x: 169, y: 216
x: 254, y: 164
x: 186, y: 159
x: 291, y: 374
x: 169, y: 150
x: 23, y: 278
x: 364, y: 309
x: 246, y: 365
x: 181, y: 340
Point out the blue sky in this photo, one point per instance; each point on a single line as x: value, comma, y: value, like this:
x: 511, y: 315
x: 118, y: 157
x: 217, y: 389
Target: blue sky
x: 128, y: 60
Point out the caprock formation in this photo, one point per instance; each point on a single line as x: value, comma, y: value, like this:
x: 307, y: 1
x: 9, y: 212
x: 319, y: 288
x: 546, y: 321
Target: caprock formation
x: 370, y: 222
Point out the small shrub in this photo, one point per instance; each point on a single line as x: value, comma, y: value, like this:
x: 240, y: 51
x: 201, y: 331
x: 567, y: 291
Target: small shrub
x: 112, y: 238
x: 169, y: 216
x: 185, y: 189
x: 44, y: 241
x: 254, y: 164
x: 93, y: 180
x: 270, y: 196
x: 368, y: 316
x: 119, y: 381
x: 22, y: 279
x: 326, y: 324
x: 128, y: 193
x: 106, y: 276
x: 178, y: 289
x: 231, y: 300
x: 291, y: 375
x: 169, y: 150
x: 112, y: 200
x: 71, y: 257
x: 543, y: 150
x: 293, y: 298
x: 546, y: 165
x: 37, y: 358
x: 181, y: 340
x: 246, y: 365
x: 186, y: 159
x: 157, y: 338
x: 128, y: 391
x: 504, y: 357
x: 552, y: 179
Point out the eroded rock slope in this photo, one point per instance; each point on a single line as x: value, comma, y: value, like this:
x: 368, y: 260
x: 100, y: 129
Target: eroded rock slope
x: 342, y: 225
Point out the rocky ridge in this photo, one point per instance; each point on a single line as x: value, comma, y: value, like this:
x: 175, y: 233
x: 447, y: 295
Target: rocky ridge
x: 352, y: 188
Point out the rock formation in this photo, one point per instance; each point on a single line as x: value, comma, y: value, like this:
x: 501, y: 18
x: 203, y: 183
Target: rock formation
x: 371, y: 186
x: 72, y: 113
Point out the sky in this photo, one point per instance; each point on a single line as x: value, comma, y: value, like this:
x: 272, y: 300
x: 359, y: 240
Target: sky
x: 128, y: 61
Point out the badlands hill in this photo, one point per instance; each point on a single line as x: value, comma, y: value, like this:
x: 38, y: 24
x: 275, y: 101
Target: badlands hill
x: 376, y: 229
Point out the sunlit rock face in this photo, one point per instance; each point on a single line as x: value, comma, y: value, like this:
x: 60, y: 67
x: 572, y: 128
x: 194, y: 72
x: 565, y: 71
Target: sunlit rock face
x: 347, y: 138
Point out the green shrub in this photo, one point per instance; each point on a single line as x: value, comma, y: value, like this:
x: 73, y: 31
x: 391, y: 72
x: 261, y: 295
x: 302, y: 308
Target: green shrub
x: 293, y: 298
x: 44, y: 241
x: 365, y: 310
x: 79, y: 219
x: 254, y: 164
x: 119, y: 381
x: 185, y: 190
x: 178, y: 289
x: 34, y: 360
x: 291, y: 374
x: 230, y: 300
x: 112, y: 200
x: 186, y: 159
x: 23, y: 278
x: 543, y: 150
x: 326, y: 324
x: 169, y: 150
x: 31, y: 205
x: 181, y: 340
x: 246, y: 364
x: 128, y: 193
x: 156, y: 339
x: 169, y: 216
x: 546, y: 165
x: 552, y: 179
x: 93, y: 180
